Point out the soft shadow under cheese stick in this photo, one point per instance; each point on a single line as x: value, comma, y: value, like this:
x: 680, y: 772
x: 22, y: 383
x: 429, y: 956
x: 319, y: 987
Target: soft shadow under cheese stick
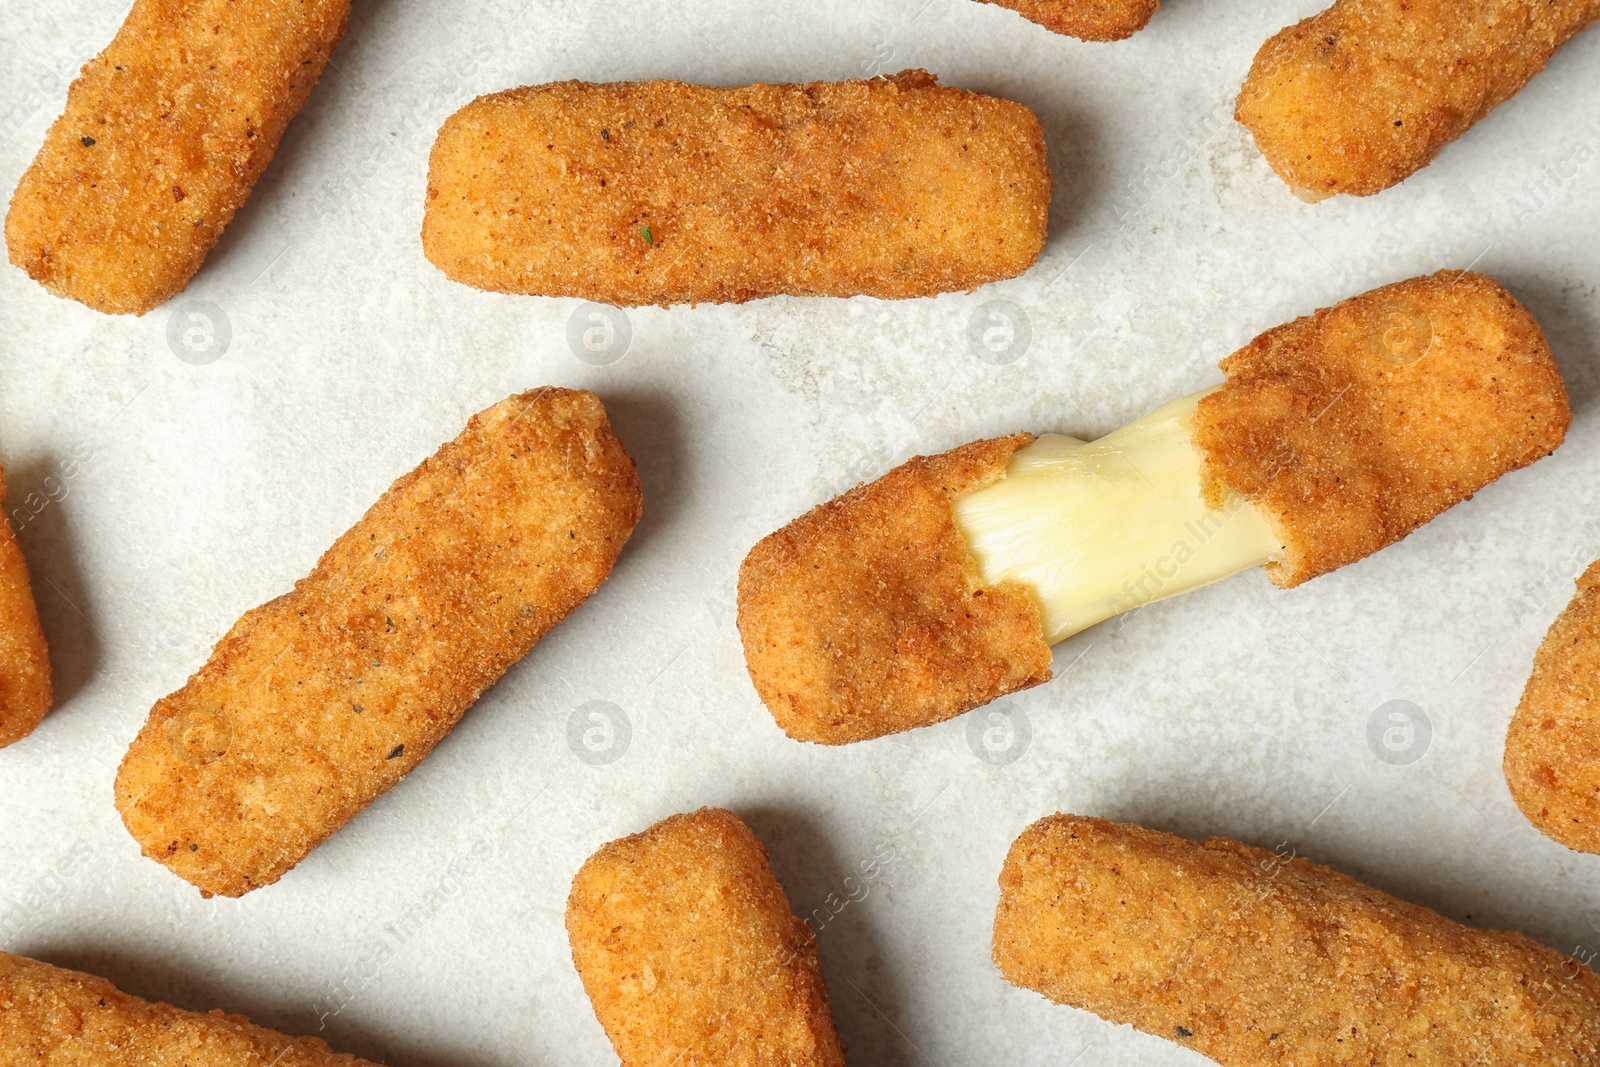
x: 1363, y: 95
x: 1252, y: 957
x: 690, y: 955
x: 61, y: 1018
x: 1087, y: 20
x: 163, y: 137
x: 24, y: 659
x: 658, y: 192
x: 318, y: 702
x: 942, y: 585
x: 1552, y: 759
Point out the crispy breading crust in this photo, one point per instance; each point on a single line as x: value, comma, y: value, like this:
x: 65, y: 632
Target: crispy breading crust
x: 1087, y: 20
x: 1363, y: 95
x: 1251, y: 957
x: 24, y: 659
x: 690, y: 954
x: 659, y: 192
x: 1552, y: 760
x: 1351, y: 427
x: 49, y: 1015
x: 163, y: 137
x: 317, y: 702
x: 867, y: 615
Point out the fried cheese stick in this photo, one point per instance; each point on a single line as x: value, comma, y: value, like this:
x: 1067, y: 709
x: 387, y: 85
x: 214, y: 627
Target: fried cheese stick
x: 1363, y: 95
x: 24, y: 659
x: 1087, y: 20
x: 942, y: 585
x: 49, y: 1015
x: 1251, y: 957
x: 163, y: 137
x: 1552, y: 759
x: 316, y: 703
x: 690, y: 954
x: 659, y: 192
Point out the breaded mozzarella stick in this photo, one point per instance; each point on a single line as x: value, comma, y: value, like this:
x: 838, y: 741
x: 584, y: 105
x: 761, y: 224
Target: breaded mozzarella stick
x: 24, y: 659
x: 659, y: 192
x: 1087, y: 20
x: 1251, y: 957
x: 942, y: 585
x: 1552, y: 759
x: 690, y: 954
x: 318, y: 702
x: 162, y: 139
x: 1365, y: 94
x: 60, y: 1018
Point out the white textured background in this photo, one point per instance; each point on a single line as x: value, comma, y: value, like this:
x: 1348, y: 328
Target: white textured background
x: 202, y: 490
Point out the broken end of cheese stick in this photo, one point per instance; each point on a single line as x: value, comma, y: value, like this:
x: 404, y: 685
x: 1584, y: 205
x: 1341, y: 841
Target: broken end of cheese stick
x: 50, y: 1015
x: 163, y: 137
x: 906, y: 601
x: 1252, y: 957
x: 316, y: 703
x: 868, y: 616
x: 24, y: 659
x: 658, y: 192
x: 1361, y: 96
x: 1552, y: 758
x: 1087, y: 20
x: 688, y: 950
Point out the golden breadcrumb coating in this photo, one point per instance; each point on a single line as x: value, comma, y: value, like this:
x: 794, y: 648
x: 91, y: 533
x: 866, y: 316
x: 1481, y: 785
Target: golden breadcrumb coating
x: 1087, y: 20
x: 162, y: 139
x: 690, y: 955
x: 60, y: 1018
x: 867, y: 615
x: 24, y: 659
x: 1365, y: 94
x: 1253, y: 957
x: 1351, y: 427
x: 1552, y: 761
x: 659, y: 192
x: 317, y: 702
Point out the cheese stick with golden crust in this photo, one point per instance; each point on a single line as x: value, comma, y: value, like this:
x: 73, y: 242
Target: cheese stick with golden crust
x: 1087, y: 20
x: 1552, y: 759
x: 24, y: 659
x: 659, y: 192
x: 1363, y: 95
x: 1251, y: 957
x: 317, y: 702
x: 1337, y: 434
x: 49, y: 1015
x: 690, y: 954
x: 163, y: 137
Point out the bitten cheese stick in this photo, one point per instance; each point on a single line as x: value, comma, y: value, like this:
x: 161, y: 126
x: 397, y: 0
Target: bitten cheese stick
x: 1365, y: 94
x: 68, y: 1019
x: 316, y: 703
x: 1087, y: 20
x: 690, y: 955
x: 1552, y: 758
x: 942, y: 585
x: 162, y: 139
x: 24, y: 659
x: 1251, y: 957
x: 664, y: 193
